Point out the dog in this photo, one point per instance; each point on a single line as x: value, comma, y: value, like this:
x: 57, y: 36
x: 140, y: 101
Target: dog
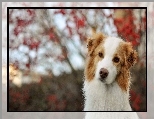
x: 107, y: 75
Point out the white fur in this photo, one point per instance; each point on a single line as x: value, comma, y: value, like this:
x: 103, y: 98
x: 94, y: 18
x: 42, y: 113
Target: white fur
x: 102, y: 97
x: 107, y: 95
x: 107, y: 62
x: 111, y: 115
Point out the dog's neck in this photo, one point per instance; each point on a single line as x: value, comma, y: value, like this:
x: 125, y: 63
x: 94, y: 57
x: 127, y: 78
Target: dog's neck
x: 105, y: 97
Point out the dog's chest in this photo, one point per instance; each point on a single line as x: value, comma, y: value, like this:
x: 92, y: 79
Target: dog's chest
x: 115, y: 99
x: 100, y: 97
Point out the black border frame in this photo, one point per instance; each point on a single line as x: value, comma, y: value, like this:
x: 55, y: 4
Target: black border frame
x: 67, y: 8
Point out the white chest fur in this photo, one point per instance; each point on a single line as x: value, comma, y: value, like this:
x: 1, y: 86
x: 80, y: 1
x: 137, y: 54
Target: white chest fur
x: 103, y: 97
x: 111, y: 115
x: 100, y: 97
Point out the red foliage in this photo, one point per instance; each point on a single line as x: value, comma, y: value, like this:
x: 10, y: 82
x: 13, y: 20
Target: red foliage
x: 80, y: 22
x: 28, y: 65
x: 17, y: 30
x: 31, y: 12
x: 126, y: 27
x: 135, y: 100
x: 31, y: 43
x: 21, y: 23
x: 69, y: 29
x: 18, y: 97
x: 34, y: 45
x: 51, y: 35
x: 53, y: 101
x: 61, y: 11
x: 52, y: 98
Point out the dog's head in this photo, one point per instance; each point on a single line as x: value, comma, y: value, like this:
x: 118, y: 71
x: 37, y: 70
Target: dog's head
x: 109, y: 59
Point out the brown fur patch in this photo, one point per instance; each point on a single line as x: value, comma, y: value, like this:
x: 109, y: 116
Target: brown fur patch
x: 128, y: 58
x: 94, y: 47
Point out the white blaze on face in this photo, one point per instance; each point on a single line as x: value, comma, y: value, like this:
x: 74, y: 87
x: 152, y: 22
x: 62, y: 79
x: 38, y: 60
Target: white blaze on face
x: 110, y: 45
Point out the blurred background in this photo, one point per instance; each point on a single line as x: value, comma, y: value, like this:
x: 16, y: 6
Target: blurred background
x: 47, y: 51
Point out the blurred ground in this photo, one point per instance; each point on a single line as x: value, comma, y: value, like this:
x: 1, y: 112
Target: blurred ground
x: 60, y: 93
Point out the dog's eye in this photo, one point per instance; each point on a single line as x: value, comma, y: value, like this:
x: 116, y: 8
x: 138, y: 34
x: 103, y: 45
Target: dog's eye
x: 100, y: 54
x: 116, y: 59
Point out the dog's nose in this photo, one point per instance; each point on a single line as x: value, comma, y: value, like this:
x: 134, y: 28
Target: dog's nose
x: 103, y: 73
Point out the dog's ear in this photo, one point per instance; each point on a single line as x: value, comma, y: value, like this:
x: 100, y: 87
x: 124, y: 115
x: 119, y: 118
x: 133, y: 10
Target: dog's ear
x: 89, y: 44
x: 131, y: 55
x: 132, y: 58
x: 94, y: 41
x: 90, y: 40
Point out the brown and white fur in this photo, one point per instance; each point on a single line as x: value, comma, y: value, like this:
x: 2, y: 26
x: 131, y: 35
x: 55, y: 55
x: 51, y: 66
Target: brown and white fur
x: 107, y: 75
